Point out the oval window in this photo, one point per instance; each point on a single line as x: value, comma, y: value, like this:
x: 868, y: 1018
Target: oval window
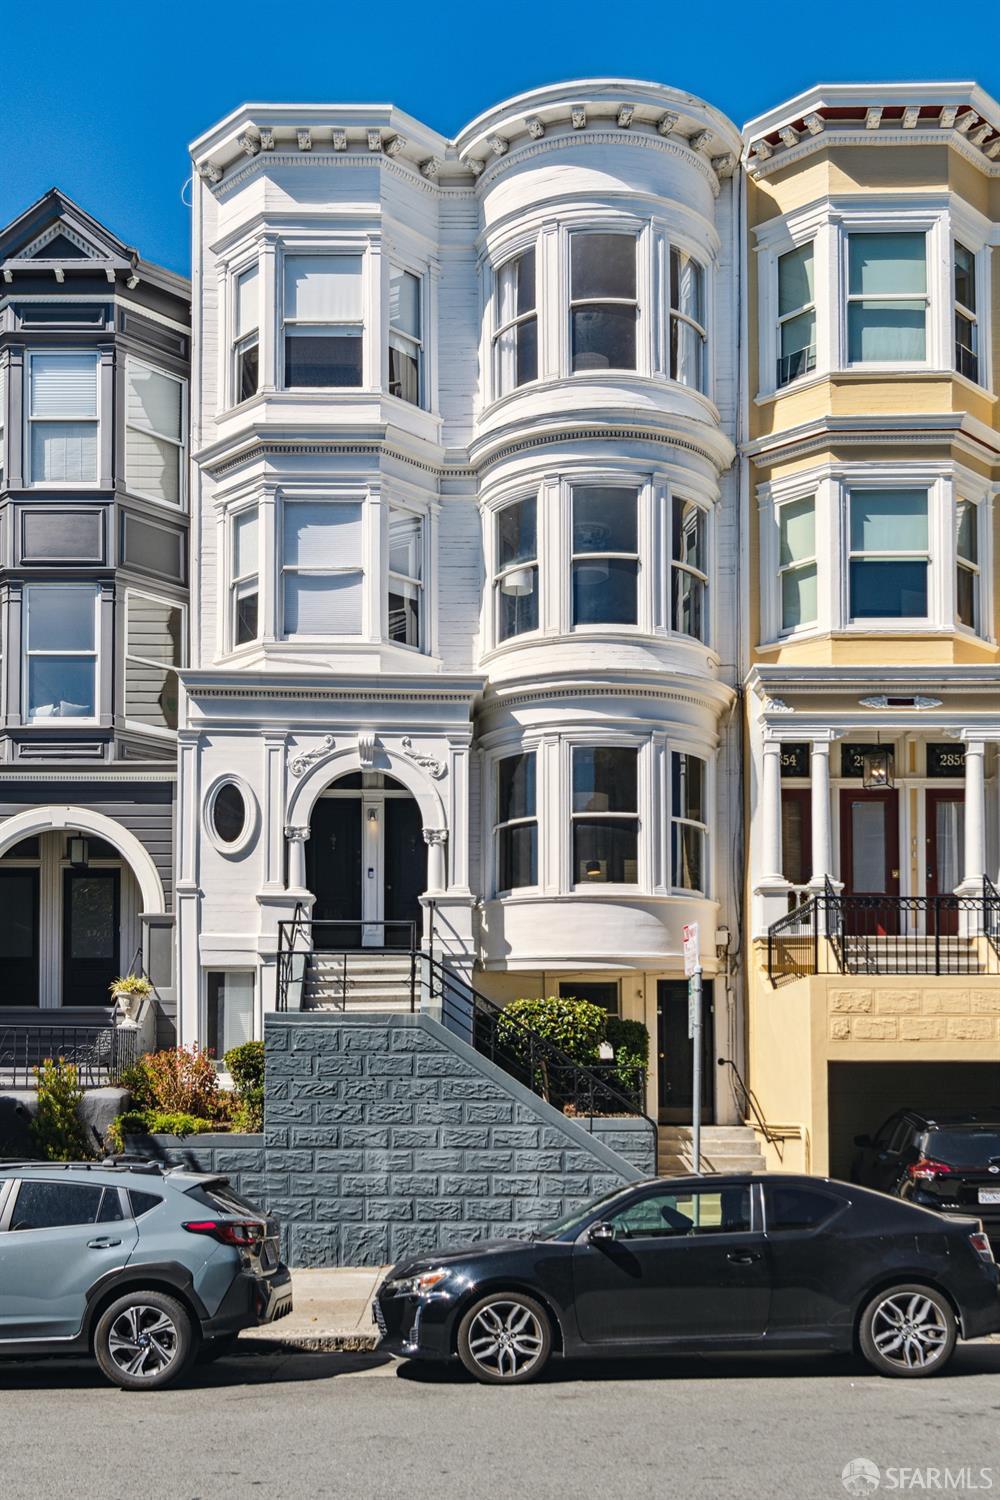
x: 229, y: 812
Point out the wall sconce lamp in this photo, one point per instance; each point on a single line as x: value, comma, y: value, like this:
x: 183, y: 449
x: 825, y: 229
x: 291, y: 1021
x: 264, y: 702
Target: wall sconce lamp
x: 79, y: 851
x: 372, y: 819
x: 877, y: 769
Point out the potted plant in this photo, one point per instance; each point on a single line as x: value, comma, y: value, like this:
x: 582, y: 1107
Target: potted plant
x: 127, y: 993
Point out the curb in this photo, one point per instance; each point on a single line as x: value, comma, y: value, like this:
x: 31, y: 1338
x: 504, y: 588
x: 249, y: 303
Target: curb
x: 318, y: 1341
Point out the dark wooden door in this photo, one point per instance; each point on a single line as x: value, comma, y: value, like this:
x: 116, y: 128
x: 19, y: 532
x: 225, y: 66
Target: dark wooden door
x: 333, y: 871
x: 405, y: 870
x: 796, y: 834
x: 19, y: 937
x: 91, y: 935
x: 676, y: 1058
x: 869, y: 861
x: 945, y: 814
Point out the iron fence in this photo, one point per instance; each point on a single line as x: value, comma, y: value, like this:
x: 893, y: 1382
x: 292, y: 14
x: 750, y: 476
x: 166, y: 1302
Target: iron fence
x: 99, y: 1053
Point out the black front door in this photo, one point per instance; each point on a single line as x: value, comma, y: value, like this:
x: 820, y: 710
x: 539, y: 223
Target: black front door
x: 405, y: 870
x: 333, y: 871
x: 91, y: 935
x: 19, y: 937
x: 675, y: 1052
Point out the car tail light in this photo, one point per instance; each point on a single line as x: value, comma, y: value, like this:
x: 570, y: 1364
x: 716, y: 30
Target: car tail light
x: 925, y: 1170
x: 239, y: 1232
x: 980, y: 1243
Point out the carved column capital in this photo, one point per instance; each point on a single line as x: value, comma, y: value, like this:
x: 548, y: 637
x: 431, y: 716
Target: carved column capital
x: 435, y: 836
x: 296, y: 835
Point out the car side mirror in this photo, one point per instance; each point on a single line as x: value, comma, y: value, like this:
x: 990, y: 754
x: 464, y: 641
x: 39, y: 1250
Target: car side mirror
x: 601, y: 1234
x: 863, y: 1141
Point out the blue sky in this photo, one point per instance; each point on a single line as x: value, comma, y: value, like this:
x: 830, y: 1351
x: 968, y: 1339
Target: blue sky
x: 104, y: 104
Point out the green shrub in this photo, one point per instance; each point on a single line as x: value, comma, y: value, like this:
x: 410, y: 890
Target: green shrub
x: 56, y: 1128
x: 246, y: 1067
x: 155, y: 1122
x: 574, y: 1026
x: 137, y: 1081
x: 630, y: 1039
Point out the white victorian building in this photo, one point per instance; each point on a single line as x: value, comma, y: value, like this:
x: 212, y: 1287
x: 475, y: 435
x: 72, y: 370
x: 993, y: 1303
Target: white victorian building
x: 463, y: 652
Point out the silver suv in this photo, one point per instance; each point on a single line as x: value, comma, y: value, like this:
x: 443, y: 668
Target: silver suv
x: 146, y: 1267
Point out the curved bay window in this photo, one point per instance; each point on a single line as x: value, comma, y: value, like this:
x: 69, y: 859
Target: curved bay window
x: 687, y: 320
x: 605, y: 562
x: 323, y: 321
x: 516, y: 828
x: 515, y: 582
x: 604, y: 306
x: 605, y: 815
x: 515, y: 343
x: 688, y: 823
x: 967, y: 564
x: 688, y: 570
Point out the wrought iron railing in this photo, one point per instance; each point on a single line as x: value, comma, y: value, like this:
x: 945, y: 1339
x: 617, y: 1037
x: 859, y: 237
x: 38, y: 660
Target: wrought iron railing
x: 750, y: 1106
x: 833, y: 933
x: 99, y: 1052
x: 303, y: 941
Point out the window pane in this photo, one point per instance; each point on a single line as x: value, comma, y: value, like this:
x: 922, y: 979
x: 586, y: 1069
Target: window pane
x: 965, y: 277
x: 516, y: 787
x: 868, y: 847
x: 60, y: 687
x: 247, y: 302
x: 323, y: 288
x: 686, y: 349
x: 603, y: 265
x: 319, y: 359
x: 687, y: 281
x: 888, y: 590
x: 798, y: 597
x: 321, y: 535
x: 404, y: 301
x: 516, y: 286
x: 246, y: 617
x: 688, y: 857
x: 798, y: 347
x: 229, y: 812
x: 61, y: 618
x: 966, y: 357
x: 604, y: 519
x: 605, y: 849
x: 966, y: 601
x: 517, y: 594
x: 152, y: 466
x: 404, y: 372
x: 404, y: 544
x: 63, y: 385
x: 797, y: 527
x: 404, y: 613
x: 53, y: 1205
x: 517, y: 856
x: 154, y: 633
x: 245, y: 543
x: 797, y: 1208
x: 887, y: 263
x: 230, y: 1015
x: 966, y: 528
x: 688, y: 540
x: 153, y: 400
x: 688, y: 787
x: 604, y: 338
x: 682, y: 1213
x: 323, y: 606
x: 526, y: 346
x: 516, y: 533
x: 605, y: 780
x: 64, y: 452
x: 886, y: 331
x: 604, y: 591
x: 687, y: 604
x: 888, y: 520
x: 247, y: 371
x: 796, y: 856
x: 795, y: 279
x: 92, y: 928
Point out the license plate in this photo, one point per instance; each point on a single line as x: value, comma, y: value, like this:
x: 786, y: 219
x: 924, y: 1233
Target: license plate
x: 989, y: 1195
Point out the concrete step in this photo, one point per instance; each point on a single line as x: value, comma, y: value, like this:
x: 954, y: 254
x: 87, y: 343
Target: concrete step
x: 724, y: 1148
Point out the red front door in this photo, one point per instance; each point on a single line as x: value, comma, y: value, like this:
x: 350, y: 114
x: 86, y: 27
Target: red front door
x: 945, y: 857
x: 869, y: 861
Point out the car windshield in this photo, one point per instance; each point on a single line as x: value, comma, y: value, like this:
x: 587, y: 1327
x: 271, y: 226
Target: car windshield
x: 579, y: 1216
x: 964, y: 1148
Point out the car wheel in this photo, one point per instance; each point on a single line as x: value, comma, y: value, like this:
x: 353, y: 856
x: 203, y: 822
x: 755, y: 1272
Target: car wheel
x: 143, y: 1341
x: 908, y: 1330
x: 505, y: 1339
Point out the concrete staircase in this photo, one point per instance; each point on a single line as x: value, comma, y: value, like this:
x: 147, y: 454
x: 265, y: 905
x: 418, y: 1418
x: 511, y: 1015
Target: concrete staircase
x: 724, y: 1148
x: 357, y: 981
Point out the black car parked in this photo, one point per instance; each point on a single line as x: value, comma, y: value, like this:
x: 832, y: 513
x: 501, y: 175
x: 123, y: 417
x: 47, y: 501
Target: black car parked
x: 949, y: 1162
x: 763, y: 1261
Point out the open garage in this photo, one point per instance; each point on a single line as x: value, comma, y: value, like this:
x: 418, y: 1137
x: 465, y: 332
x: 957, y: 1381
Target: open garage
x: 862, y: 1095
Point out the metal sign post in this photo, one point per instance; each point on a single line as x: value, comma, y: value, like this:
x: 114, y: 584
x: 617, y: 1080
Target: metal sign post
x: 692, y: 968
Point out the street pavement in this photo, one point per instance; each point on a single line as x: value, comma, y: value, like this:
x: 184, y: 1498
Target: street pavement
x: 291, y: 1423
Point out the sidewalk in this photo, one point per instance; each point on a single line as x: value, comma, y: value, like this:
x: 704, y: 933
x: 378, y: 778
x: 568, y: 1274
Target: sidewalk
x: 331, y: 1310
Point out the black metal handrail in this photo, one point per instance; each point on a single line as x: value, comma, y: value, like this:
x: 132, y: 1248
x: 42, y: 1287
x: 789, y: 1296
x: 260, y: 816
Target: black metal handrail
x: 583, y: 1089
x: 751, y: 1106
x: 991, y: 914
x: 297, y: 939
x: 792, y: 942
x: 99, y: 1052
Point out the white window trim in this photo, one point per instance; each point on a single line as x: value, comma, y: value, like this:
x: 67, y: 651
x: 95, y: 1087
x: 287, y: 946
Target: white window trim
x: 235, y: 581
x: 808, y: 627
x: 248, y: 967
x: 673, y: 818
x: 498, y: 327
x: 397, y: 262
x: 180, y: 444
x: 369, y: 323
x: 133, y: 593
x: 642, y: 301
x: 509, y: 752
x: 607, y: 739
x: 96, y: 654
x: 422, y: 647
x: 235, y: 342
x: 251, y: 820
x: 494, y: 572
x: 62, y: 484
x: 369, y: 568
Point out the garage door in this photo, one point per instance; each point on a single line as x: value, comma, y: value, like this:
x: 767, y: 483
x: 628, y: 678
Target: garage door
x: 862, y: 1095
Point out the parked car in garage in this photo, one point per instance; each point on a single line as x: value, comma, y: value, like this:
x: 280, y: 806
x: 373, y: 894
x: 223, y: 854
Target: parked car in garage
x: 758, y: 1261
x: 948, y: 1162
x: 146, y: 1268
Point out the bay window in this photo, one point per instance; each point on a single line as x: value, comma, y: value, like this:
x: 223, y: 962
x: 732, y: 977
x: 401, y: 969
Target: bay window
x: 322, y: 573
x: 967, y: 563
x: 688, y: 570
x: 245, y: 589
x: 153, y: 646
x: 405, y: 343
x: 887, y: 298
x: 516, y: 828
x: 605, y: 817
x: 246, y: 336
x: 60, y: 651
x: 604, y: 567
x: 688, y: 823
x: 797, y: 574
x: 966, y: 324
x: 62, y: 418
x: 323, y: 321
x: 515, y: 343
x: 515, y: 579
x: 154, y: 433
x: 406, y: 559
x: 687, y: 320
x: 603, y: 302
x: 796, y: 314
x: 888, y: 562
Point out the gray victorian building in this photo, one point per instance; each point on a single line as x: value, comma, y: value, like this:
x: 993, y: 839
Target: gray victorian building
x: 94, y: 360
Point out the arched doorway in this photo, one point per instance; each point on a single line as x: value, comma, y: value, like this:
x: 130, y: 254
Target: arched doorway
x: 366, y: 863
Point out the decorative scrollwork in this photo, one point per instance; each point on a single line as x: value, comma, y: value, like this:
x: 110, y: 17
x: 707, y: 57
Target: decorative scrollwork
x: 431, y: 763
x: 300, y: 760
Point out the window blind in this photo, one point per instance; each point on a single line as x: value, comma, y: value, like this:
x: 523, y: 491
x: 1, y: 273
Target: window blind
x: 323, y: 288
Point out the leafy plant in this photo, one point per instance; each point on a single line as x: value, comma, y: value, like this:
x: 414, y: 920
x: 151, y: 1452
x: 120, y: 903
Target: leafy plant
x: 246, y: 1067
x: 182, y: 1080
x: 575, y: 1027
x: 135, y: 1078
x: 56, y: 1128
x: 130, y: 984
x: 154, y: 1122
x: 630, y: 1041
